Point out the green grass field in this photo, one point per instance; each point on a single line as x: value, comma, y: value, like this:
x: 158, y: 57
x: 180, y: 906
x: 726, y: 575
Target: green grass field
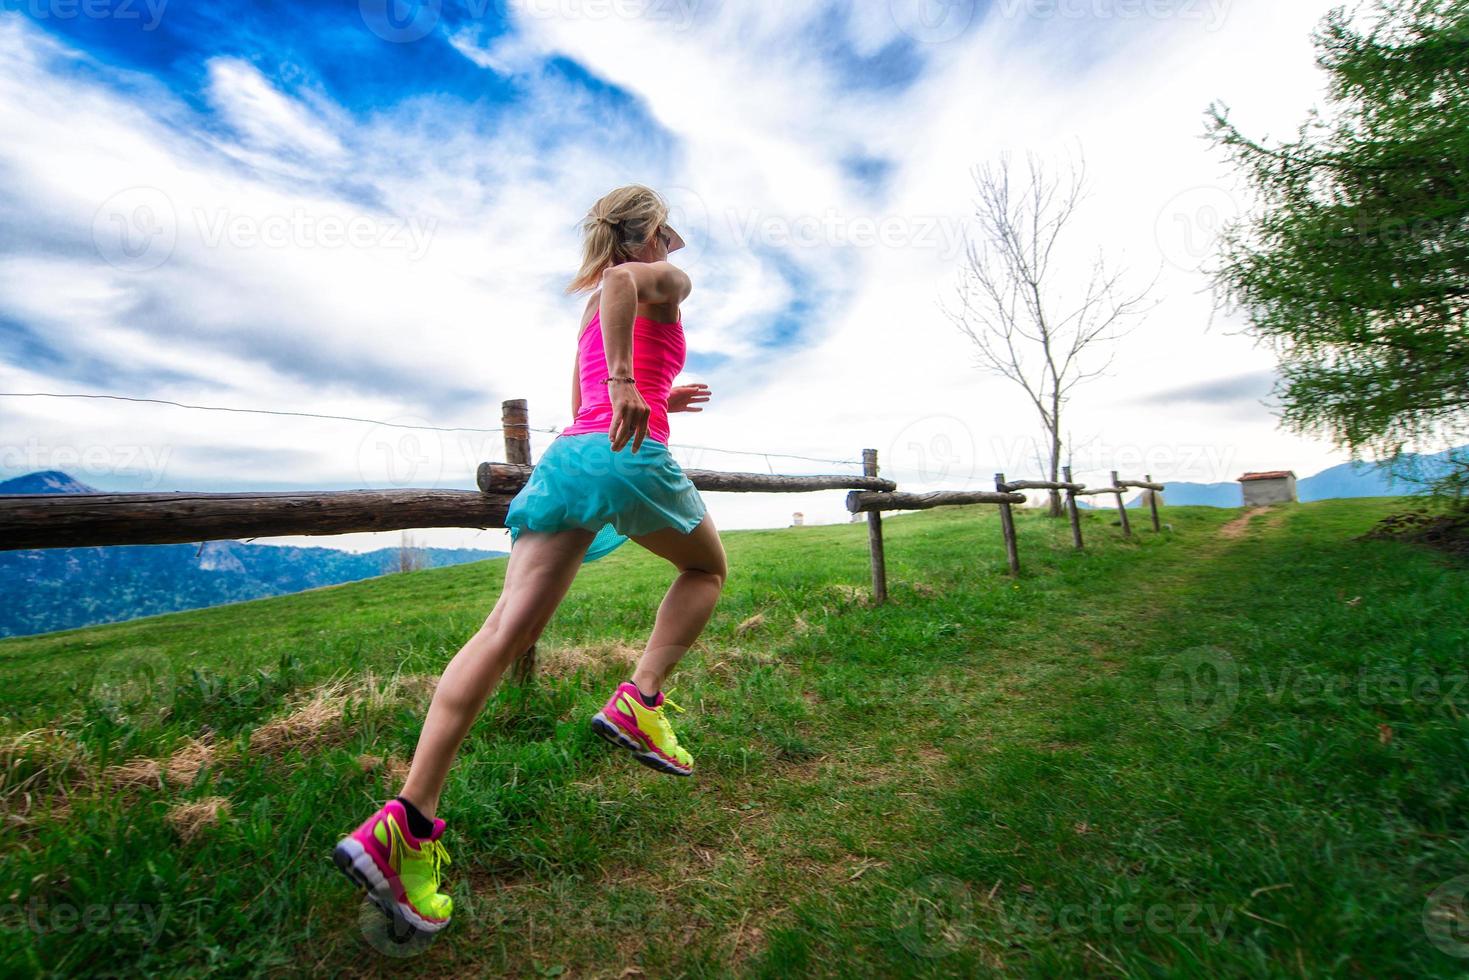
x: 1206, y: 752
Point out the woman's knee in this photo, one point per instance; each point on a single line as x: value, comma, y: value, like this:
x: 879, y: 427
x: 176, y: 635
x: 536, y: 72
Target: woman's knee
x: 512, y: 635
x: 714, y: 572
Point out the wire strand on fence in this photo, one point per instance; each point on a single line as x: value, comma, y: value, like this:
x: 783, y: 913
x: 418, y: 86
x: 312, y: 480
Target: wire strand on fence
x: 393, y: 425
x: 242, y: 411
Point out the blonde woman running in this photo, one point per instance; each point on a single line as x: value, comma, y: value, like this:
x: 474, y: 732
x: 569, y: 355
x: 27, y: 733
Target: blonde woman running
x: 604, y: 479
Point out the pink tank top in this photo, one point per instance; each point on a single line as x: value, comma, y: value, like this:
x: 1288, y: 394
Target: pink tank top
x: 658, y: 353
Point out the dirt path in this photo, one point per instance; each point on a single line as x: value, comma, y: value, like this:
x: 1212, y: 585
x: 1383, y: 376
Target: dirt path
x: 1240, y: 524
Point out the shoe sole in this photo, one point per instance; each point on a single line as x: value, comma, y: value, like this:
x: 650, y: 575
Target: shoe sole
x: 613, y: 733
x: 352, y: 859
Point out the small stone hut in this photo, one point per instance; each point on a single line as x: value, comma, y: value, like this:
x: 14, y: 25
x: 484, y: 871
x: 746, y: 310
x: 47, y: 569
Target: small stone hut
x: 1271, y: 487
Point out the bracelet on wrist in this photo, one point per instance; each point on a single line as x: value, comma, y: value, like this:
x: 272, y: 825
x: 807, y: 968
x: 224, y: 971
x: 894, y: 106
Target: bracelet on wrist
x: 629, y: 380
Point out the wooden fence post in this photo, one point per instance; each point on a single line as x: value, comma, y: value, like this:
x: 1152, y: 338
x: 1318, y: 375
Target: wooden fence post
x: 515, y: 418
x: 1153, y: 502
x: 1007, y: 527
x: 1072, y: 511
x: 874, y: 535
x: 1122, y: 510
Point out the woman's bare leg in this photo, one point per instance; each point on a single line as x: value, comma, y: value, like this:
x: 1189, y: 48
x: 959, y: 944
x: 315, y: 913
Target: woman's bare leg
x: 689, y: 603
x: 541, y: 569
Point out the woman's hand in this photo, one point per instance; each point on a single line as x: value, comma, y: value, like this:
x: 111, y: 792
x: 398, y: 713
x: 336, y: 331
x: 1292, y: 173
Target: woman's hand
x: 680, y: 397
x: 630, y: 416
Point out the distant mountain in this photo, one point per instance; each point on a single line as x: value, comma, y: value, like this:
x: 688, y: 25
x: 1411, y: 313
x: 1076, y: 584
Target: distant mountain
x: 1200, y: 494
x: 1345, y: 480
x: 1371, y: 480
x: 45, y: 481
x: 61, y: 588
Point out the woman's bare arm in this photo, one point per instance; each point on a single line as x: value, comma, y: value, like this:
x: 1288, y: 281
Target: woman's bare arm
x: 624, y: 286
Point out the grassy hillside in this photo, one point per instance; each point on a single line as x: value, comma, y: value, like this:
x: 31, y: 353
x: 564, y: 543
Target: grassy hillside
x: 1236, y: 748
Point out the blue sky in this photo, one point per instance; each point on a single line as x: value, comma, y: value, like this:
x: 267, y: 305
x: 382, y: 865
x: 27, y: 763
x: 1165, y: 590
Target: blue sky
x: 369, y: 208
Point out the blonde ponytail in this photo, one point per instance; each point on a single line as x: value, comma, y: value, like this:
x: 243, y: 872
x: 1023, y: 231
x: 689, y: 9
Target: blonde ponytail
x: 615, y: 230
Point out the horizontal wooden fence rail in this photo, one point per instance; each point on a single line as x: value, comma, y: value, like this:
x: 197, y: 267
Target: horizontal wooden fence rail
x: 862, y: 501
x: 84, y: 520
x: 510, y: 477
x: 1012, y: 485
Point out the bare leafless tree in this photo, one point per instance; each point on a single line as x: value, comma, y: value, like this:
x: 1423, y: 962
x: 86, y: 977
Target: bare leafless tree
x: 410, y: 556
x: 1012, y: 308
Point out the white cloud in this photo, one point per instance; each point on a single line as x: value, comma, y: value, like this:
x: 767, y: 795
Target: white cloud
x: 265, y: 118
x: 508, y: 54
x: 760, y: 132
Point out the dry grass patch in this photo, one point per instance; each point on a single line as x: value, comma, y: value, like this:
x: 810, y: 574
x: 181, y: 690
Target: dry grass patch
x: 39, y: 767
x: 849, y: 594
x: 184, y: 766
x: 140, y: 773
x: 565, y: 662
x: 51, y: 750
x: 314, y: 724
x: 753, y: 623
x: 392, y: 770
x: 189, y: 820
x: 181, y: 768
x: 316, y: 717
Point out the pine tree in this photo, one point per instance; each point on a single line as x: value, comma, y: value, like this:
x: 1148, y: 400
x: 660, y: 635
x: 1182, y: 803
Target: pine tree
x: 1355, y: 265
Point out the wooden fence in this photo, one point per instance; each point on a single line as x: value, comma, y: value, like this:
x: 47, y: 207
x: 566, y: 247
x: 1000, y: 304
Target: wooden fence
x: 99, y: 519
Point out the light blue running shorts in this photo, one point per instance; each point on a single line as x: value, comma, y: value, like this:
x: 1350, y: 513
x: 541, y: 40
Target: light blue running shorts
x: 580, y: 482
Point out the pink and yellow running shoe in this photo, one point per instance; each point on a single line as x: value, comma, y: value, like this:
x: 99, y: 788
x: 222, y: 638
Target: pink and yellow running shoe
x: 400, y: 872
x: 625, y: 721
